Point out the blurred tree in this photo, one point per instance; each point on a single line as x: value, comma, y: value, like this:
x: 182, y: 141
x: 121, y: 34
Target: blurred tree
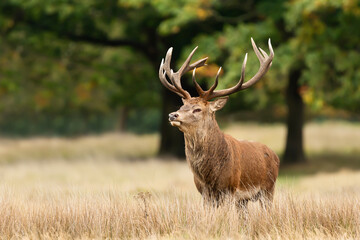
x: 314, y: 52
x: 322, y: 62
x: 148, y: 27
x: 46, y: 79
x: 55, y: 73
x: 316, y: 59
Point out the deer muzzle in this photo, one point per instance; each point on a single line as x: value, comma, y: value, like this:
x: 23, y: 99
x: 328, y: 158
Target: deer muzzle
x: 173, y: 119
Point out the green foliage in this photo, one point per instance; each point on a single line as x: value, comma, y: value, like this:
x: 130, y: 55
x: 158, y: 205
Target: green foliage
x: 227, y: 49
x: 144, y: 121
x: 66, y: 88
x: 321, y: 37
x: 326, y: 40
x: 89, y: 58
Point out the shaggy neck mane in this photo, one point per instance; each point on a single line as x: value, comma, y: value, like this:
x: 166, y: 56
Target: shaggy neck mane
x: 206, y: 149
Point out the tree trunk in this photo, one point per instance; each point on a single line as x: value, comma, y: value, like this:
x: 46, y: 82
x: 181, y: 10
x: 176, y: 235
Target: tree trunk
x: 172, y: 140
x: 294, y: 151
x: 123, y: 116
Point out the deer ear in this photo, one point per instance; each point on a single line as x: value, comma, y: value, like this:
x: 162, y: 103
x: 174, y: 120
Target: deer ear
x: 218, y: 103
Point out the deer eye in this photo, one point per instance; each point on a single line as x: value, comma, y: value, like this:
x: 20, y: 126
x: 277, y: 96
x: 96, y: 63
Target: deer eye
x: 197, y: 110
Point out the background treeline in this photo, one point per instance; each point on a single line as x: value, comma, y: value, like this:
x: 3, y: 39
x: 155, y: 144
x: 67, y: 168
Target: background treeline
x: 75, y: 67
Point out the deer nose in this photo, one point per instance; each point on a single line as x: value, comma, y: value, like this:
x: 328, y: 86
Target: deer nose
x: 173, y: 116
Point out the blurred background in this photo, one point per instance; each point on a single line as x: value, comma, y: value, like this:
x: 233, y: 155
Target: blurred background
x: 70, y: 69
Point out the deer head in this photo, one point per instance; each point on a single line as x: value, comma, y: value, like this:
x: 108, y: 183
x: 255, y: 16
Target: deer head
x: 199, y: 111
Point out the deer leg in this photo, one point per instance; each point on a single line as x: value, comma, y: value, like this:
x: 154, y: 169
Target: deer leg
x: 211, y: 197
x: 267, y: 198
x: 215, y: 198
x: 204, y: 191
x: 219, y: 198
x: 199, y: 185
x: 242, y: 204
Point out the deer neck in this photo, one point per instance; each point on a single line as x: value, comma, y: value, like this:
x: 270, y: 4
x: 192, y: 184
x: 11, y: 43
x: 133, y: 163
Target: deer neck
x: 206, y: 150
x: 199, y: 138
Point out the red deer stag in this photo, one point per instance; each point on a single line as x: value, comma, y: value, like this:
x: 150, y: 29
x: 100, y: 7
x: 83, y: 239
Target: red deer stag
x: 220, y: 163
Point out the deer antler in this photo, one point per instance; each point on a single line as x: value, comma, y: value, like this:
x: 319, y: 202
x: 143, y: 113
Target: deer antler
x: 265, y: 63
x: 175, y: 78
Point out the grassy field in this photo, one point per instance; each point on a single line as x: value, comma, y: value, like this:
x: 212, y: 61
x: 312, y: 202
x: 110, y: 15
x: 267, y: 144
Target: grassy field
x: 113, y: 186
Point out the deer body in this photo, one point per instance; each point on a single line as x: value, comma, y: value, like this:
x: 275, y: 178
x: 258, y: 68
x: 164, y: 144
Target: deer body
x: 238, y: 168
x: 220, y: 163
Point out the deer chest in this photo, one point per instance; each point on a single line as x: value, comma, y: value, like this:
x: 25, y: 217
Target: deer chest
x: 204, y: 170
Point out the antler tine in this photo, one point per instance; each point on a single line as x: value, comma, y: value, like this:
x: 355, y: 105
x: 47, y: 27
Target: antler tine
x: 198, y: 63
x: 175, y: 78
x: 176, y: 85
x: 212, y: 88
x: 167, y: 62
x: 193, y: 67
x: 164, y: 81
x: 200, y: 91
x: 243, y: 70
x: 257, y: 52
x: 271, y: 52
x: 186, y: 65
x: 264, y: 53
x: 208, y: 93
x: 265, y: 63
x: 270, y: 48
x: 224, y: 92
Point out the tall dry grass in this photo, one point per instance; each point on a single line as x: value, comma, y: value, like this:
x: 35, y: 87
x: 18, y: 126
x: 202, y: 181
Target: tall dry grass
x: 92, y: 188
x: 174, y: 215
x: 95, y: 199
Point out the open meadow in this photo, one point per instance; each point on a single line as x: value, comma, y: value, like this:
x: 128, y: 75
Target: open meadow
x: 114, y: 186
